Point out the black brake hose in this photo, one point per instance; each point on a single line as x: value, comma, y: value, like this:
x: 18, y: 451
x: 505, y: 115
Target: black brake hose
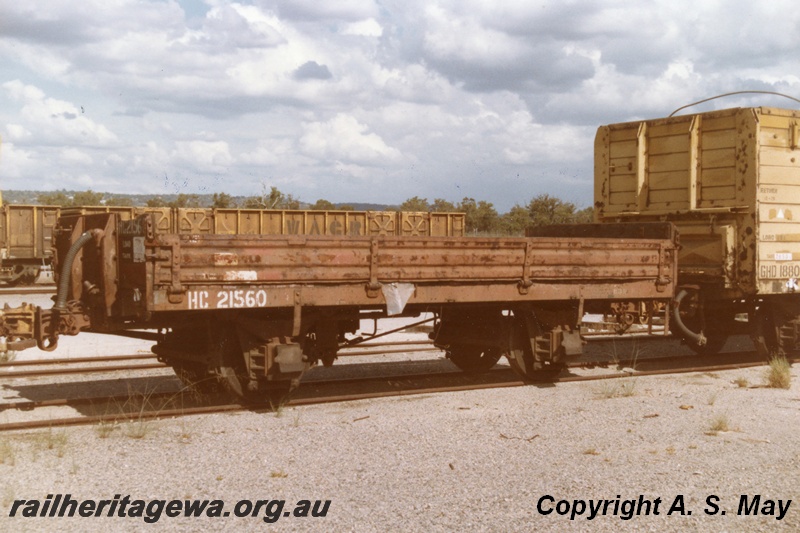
x: 697, y: 338
x: 66, y: 269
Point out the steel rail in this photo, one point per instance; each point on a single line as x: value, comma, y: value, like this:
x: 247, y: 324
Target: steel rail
x: 73, y: 360
x: 134, y: 357
x: 79, y: 370
x: 347, y: 352
x: 511, y: 381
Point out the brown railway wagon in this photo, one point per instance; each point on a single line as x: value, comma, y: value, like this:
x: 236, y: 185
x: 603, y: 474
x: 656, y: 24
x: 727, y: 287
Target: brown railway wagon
x: 252, y: 312
x: 730, y: 181
x: 26, y: 231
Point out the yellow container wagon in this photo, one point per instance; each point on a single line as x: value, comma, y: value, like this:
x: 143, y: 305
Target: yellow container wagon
x: 730, y: 181
x: 26, y: 231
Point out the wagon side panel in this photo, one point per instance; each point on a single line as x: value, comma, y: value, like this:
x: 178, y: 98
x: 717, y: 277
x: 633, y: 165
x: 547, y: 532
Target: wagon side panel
x: 778, y: 202
x: 213, y: 271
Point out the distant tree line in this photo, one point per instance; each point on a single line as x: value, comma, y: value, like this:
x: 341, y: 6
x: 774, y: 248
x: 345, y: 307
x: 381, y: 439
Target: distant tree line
x: 481, y: 216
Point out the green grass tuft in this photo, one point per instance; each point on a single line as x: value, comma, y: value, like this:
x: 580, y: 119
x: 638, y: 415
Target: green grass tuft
x: 779, y: 373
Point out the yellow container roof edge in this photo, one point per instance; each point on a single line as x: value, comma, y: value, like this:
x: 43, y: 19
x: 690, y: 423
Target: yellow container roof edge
x: 760, y: 110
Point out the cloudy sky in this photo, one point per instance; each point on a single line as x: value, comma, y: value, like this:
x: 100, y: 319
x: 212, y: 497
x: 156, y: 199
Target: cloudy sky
x: 363, y: 100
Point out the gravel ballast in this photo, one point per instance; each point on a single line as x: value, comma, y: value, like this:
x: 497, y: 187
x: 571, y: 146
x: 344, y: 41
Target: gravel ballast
x: 479, y: 460
x: 470, y: 460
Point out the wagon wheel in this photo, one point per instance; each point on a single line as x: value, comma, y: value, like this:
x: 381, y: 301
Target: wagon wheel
x: 29, y: 278
x: 521, y: 360
x: 474, y: 359
x: 196, y: 377
x: 18, y: 278
x: 234, y: 376
x: 775, y: 331
x: 262, y: 391
x: 179, y: 349
x: 231, y: 368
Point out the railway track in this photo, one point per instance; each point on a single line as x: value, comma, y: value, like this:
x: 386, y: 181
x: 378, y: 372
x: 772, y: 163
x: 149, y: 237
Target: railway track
x: 148, y: 361
x: 65, y: 366
x: 179, y: 402
x: 32, y: 368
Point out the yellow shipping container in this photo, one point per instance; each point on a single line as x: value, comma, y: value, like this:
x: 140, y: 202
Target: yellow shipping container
x: 730, y: 181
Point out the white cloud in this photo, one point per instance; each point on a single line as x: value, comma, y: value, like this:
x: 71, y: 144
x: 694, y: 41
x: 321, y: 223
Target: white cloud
x: 451, y: 37
x: 17, y: 132
x: 367, y: 28
x: 16, y: 164
x: 343, y: 138
x: 55, y: 121
x: 270, y: 152
x: 73, y: 156
x: 208, y: 154
x: 314, y: 9
x: 239, y: 26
